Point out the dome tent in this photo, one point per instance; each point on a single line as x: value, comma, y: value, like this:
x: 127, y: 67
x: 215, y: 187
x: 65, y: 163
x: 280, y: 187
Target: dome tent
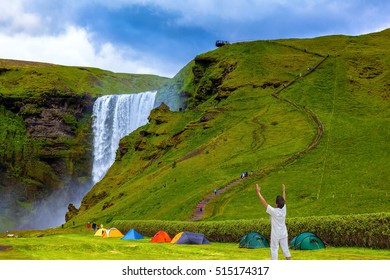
x: 189, y: 238
x: 161, y: 237
x: 112, y: 232
x: 253, y: 240
x: 100, y: 231
x: 307, y: 241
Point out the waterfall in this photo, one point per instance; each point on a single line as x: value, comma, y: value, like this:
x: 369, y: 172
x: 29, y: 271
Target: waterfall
x: 115, y: 116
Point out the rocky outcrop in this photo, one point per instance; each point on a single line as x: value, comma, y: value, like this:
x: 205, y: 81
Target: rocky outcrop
x: 72, y: 211
x: 208, y: 75
x: 45, y: 146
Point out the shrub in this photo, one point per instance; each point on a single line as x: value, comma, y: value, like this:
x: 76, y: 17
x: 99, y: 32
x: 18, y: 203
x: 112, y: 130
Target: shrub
x: 365, y: 230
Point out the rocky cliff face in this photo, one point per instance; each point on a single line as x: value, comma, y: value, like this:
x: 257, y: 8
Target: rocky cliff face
x: 46, y: 151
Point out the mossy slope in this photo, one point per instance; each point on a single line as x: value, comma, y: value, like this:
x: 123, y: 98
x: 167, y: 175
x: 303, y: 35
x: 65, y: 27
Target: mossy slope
x: 233, y: 123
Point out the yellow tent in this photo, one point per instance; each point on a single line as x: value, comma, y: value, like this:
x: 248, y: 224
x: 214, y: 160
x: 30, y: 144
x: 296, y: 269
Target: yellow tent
x: 112, y: 232
x: 177, y: 236
x: 100, y: 231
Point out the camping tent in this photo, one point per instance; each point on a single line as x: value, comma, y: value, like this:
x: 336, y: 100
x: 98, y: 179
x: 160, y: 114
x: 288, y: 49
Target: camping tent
x: 306, y: 241
x: 177, y: 236
x: 161, y: 237
x: 253, y: 240
x: 112, y: 232
x: 190, y: 238
x: 99, y: 232
x: 132, y: 235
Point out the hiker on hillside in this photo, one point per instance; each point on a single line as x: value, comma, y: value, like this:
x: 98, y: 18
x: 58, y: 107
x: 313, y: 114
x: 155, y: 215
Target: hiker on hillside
x: 279, y: 234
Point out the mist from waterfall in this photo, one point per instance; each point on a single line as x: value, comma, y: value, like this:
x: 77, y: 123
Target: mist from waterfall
x: 115, y: 116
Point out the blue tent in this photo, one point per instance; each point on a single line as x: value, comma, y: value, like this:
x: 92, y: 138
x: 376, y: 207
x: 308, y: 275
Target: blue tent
x: 190, y: 238
x: 132, y: 235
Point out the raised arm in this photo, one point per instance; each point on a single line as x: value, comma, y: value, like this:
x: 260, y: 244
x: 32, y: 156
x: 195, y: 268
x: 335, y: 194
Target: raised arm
x: 284, y: 192
x: 262, y: 200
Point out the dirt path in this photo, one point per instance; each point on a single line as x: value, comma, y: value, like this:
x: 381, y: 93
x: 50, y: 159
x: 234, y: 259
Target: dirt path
x: 199, y: 209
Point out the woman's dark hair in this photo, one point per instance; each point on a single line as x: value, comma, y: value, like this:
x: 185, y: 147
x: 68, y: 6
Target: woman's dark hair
x: 280, y: 201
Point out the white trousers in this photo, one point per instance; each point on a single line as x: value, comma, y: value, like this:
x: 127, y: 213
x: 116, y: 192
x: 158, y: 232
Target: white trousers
x: 283, y: 242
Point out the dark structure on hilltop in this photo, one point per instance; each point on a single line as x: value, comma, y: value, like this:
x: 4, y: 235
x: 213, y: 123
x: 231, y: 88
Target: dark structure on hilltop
x: 220, y: 43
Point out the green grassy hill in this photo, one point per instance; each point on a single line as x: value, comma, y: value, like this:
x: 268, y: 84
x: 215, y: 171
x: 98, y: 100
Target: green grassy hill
x: 260, y: 106
x: 31, y: 79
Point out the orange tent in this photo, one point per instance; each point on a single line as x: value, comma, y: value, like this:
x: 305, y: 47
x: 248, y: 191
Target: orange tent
x: 161, y: 237
x: 112, y: 232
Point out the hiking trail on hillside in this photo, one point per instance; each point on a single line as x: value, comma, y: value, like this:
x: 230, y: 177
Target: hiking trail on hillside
x: 198, y: 211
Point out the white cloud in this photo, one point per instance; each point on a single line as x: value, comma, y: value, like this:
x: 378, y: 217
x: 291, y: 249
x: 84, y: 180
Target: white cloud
x: 75, y: 48
x: 35, y: 36
x: 70, y: 47
x: 130, y: 61
x: 14, y: 19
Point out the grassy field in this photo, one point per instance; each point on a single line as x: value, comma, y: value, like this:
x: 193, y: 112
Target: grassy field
x: 66, y: 245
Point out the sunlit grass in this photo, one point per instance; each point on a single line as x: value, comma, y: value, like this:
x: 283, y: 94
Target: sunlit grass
x: 85, y: 246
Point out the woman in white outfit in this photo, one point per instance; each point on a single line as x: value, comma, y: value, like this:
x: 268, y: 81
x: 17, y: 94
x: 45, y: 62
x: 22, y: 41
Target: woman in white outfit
x: 279, y: 235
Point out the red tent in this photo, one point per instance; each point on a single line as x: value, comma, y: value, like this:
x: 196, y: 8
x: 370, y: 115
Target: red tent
x: 161, y: 237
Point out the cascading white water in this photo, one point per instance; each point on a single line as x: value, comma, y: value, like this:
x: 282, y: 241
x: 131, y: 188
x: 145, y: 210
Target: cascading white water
x: 115, y: 116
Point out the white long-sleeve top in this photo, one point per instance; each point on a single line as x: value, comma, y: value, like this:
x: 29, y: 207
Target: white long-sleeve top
x: 278, y: 221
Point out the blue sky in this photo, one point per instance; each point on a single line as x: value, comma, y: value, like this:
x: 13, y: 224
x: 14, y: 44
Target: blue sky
x: 161, y: 36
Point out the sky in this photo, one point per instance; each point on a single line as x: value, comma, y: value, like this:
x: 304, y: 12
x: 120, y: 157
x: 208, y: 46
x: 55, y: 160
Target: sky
x: 160, y: 37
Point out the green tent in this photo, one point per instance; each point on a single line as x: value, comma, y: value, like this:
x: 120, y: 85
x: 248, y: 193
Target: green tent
x: 307, y: 241
x: 253, y: 240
